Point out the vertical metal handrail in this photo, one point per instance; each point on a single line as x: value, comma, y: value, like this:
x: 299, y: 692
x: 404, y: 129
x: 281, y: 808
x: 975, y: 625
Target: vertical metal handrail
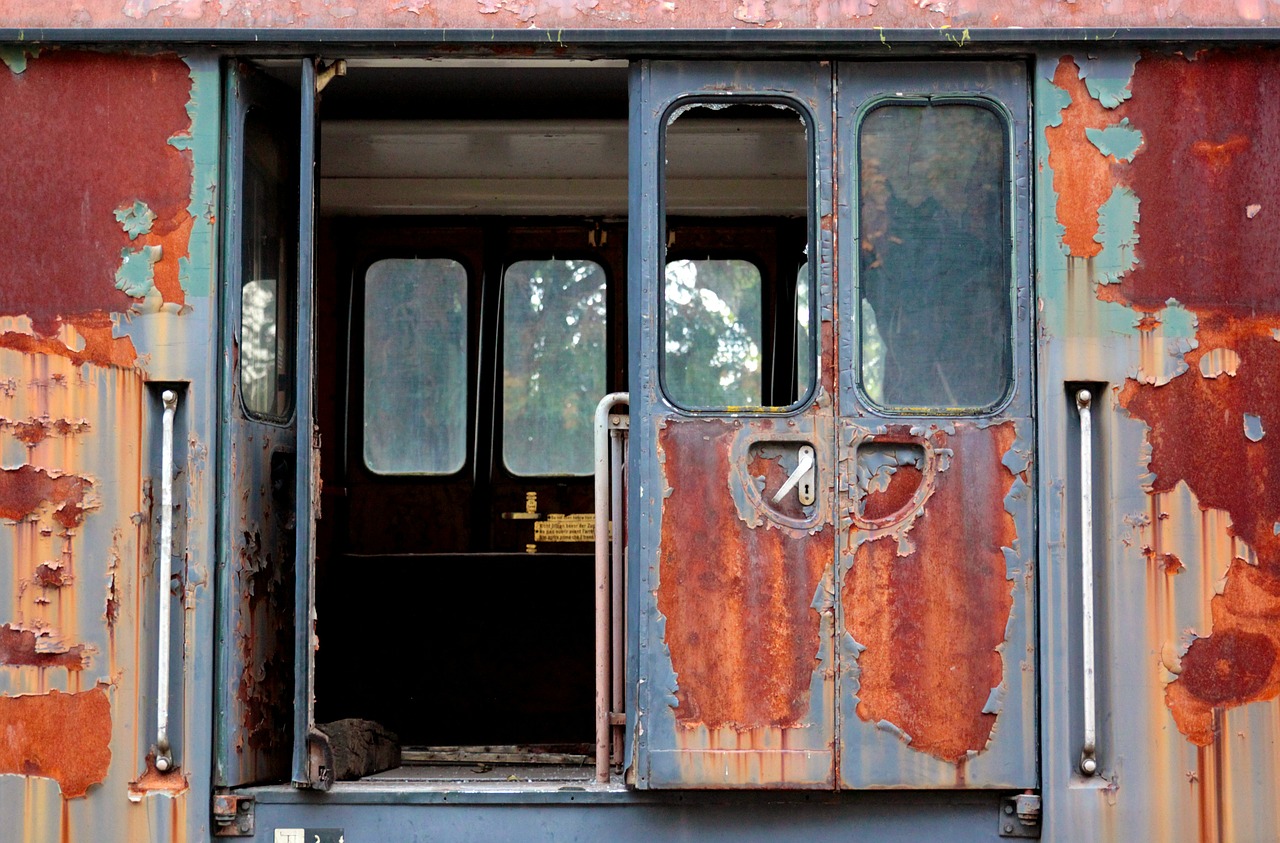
x: 617, y: 465
x: 1088, y: 752
x: 604, y: 585
x: 164, y: 573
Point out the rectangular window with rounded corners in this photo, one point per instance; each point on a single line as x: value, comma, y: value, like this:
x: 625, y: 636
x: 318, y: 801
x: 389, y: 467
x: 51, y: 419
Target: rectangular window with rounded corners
x: 935, y: 243
x: 415, y: 366
x: 730, y: 338
x: 266, y: 280
x: 554, y: 365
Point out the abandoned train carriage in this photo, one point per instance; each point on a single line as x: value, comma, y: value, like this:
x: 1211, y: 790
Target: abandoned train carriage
x: 743, y: 421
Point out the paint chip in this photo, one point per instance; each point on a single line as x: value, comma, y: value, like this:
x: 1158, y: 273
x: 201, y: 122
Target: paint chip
x: 1251, y: 211
x: 136, y: 276
x: 1217, y: 362
x: 1253, y: 427
x: 135, y: 219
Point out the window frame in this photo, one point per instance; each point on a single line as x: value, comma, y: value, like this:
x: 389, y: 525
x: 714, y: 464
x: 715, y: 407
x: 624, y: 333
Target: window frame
x: 356, y: 358
x: 286, y: 348
x: 500, y: 416
x: 1008, y: 123
x: 813, y: 241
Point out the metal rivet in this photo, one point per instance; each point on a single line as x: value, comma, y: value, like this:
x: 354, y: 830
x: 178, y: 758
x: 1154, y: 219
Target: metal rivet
x: 1008, y: 828
x: 1008, y: 809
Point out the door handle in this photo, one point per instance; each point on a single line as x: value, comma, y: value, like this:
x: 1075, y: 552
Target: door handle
x: 801, y: 479
x: 1089, y: 749
x: 164, y: 753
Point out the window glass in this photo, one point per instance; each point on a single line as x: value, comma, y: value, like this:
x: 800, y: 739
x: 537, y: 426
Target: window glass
x: 554, y: 365
x: 935, y: 245
x: 415, y: 366
x: 728, y: 340
x: 266, y: 301
x: 804, y: 338
x: 712, y: 327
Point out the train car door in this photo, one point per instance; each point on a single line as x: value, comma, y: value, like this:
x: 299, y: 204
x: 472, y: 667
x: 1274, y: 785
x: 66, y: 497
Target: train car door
x: 833, y: 517
x: 732, y: 399
x: 264, y: 658
x: 936, y: 552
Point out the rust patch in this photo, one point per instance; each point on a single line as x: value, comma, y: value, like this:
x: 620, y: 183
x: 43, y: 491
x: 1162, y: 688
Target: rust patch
x: 38, y: 648
x: 108, y: 118
x: 64, y: 737
x: 903, y: 483
x: 1199, y: 170
x: 1082, y: 176
x: 24, y: 489
x: 99, y: 348
x: 740, y: 624
x: 154, y: 781
x: 52, y: 575
x: 931, y: 620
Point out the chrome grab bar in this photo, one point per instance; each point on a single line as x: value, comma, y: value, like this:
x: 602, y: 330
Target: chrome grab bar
x: 1088, y: 752
x: 164, y: 753
x: 604, y: 583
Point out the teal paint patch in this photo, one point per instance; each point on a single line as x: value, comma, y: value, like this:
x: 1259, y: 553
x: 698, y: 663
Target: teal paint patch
x: 15, y: 58
x: 1121, y: 141
x: 1107, y: 78
x: 1118, y: 234
x: 1178, y: 321
x: 198, y: 268
x: 136, y: 276
x: 135, y: 219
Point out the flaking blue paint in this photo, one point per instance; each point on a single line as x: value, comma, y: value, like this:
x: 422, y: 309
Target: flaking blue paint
x: 136, y: 275
x: 1107, y: 77
x: 135, y: 219
x: 1121, y: 140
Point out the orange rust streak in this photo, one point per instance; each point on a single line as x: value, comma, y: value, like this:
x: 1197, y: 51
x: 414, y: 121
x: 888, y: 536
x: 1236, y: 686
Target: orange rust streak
x: 738, y: 601
x: 931, y: 620
x: 64, y: 737
x: 1082, y: 175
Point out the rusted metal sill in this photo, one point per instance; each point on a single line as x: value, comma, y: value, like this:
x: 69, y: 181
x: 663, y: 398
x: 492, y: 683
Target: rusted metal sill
x: 393, y: 790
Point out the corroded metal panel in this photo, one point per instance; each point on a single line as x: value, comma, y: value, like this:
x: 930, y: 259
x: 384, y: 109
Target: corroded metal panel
x: 108, y: 161
x: 630, y: 14
x: 1159, y: 284
x: 927, y: 597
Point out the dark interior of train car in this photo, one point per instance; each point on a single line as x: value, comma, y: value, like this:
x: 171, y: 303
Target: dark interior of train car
x: 471, y: 311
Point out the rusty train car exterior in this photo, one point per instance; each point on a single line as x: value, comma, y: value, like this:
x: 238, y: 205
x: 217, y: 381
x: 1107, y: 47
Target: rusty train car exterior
x: 934, y: 495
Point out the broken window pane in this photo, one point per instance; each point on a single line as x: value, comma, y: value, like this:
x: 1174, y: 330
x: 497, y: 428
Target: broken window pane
x: 415, y: 366
x: 737, y: 322
x: 935, y: 246
x: 554, y: 361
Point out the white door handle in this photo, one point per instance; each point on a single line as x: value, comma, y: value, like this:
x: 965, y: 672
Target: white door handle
x: 800, y: 479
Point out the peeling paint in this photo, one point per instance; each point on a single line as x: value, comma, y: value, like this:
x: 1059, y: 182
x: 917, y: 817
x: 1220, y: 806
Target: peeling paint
x: 1120, y: 141
x: 39, y: 648
x: 71, y: 240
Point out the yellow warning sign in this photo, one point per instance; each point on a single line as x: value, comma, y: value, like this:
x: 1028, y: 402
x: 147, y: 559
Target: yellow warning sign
x: 579, y: 527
